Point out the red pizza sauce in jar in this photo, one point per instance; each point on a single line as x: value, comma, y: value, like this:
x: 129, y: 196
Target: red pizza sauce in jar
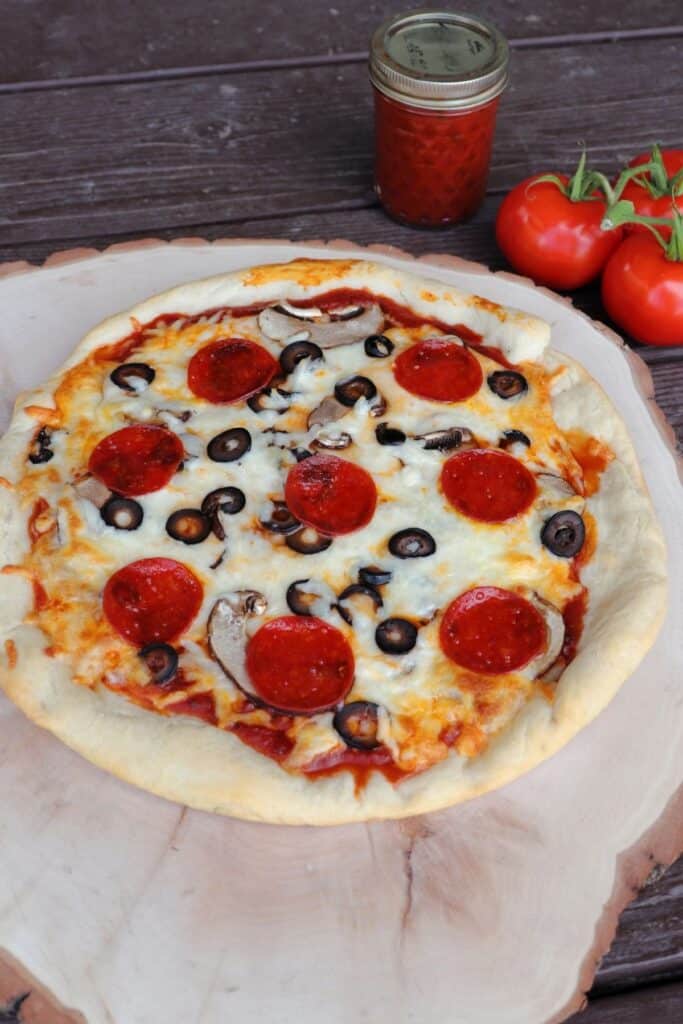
x: 437, y: 76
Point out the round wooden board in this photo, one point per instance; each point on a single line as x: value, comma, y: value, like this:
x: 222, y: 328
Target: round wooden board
x: 132, y: 910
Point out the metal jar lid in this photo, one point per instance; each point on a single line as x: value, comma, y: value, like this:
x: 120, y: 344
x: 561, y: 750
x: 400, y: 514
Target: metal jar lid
x: 442, y: 60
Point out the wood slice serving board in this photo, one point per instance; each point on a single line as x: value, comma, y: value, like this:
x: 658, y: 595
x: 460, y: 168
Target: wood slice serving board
x: 132, y: 910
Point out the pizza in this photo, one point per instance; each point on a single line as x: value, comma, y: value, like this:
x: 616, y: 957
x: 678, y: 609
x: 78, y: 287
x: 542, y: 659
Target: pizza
x: 321, y: 542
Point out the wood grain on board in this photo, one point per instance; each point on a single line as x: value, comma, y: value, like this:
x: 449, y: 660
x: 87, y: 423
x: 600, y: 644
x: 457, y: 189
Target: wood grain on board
x: 286, y: 152
x: 171, y: 153
x: 52, y: 39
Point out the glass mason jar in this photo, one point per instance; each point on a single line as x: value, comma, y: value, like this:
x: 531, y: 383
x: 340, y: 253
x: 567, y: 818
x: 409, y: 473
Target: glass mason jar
x: 437, y: 77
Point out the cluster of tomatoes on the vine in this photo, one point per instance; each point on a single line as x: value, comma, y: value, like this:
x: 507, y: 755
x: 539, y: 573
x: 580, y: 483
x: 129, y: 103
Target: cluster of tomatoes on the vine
x: 563, y: 232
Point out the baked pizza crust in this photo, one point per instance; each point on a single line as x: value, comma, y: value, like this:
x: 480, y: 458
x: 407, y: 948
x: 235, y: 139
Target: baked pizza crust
x: 182, y: 759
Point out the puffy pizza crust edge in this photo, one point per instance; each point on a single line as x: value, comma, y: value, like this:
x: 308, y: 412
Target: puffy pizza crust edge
x: 184, y: 760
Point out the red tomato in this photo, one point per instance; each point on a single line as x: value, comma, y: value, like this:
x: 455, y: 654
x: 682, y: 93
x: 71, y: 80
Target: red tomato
x: 552, y: 239
x: 655, y: 203
x: 642, y: 291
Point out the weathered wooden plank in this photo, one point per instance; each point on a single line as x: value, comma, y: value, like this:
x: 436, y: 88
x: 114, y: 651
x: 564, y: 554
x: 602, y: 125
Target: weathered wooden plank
x: 648, y: 946
x: 223, y: 148
x: 474, y: 241
x: 51, y: 39
x: 661, y: 1004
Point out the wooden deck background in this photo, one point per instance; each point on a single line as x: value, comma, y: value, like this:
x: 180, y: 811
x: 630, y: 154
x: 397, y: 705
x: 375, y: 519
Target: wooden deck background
x: 122, y: 119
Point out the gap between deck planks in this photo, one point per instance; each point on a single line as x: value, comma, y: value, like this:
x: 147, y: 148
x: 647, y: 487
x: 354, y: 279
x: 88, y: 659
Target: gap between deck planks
x: 474, y: 240
x: 127, y: 158
x: 631, y: 129
x: 45, y: 40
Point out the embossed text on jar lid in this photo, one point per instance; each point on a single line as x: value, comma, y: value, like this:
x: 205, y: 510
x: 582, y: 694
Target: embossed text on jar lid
x: 439, y: 59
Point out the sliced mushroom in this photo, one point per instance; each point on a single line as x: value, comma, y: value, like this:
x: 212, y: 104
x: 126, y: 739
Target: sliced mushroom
x: 299, y: 312
x: 378, y: 406
x: 227, y: 633
x: 447, y: 439
x: 329, y: 411
x: 334, y: 440
x: 93, y: 490
x: 555, y: 627
x: 279, y: 324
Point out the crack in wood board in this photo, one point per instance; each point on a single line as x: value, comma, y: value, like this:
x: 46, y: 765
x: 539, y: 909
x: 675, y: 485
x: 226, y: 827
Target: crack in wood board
x: 664, y: 840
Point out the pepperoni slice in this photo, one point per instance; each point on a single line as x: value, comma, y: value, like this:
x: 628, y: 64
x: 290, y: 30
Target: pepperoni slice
x: 492, y: 630
x: 136, y: 460
x: 438, y: 369
x: 152, y: 601
x: 330, y: 494
x: 487, y: 484
x: 300, y: 665
x: 230, y: 370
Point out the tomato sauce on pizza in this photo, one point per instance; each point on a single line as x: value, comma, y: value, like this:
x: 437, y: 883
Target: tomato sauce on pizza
x: 335, y: 526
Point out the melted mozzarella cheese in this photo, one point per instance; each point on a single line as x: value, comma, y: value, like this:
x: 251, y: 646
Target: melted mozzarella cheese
x: 420, y: 692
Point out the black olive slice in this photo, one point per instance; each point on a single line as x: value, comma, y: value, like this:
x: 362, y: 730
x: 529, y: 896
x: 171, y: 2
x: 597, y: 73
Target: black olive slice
x: 378, y: 346
x: 349, y: 390
x: 280, y: 519
x: 230, y: 500
x: 389, y: 435
x: 510, y: 437
x: 307, y: 541
x: 445, y: 440
x: 230, y: 445
x: 412, y: 543
x: 396, y: 636
x: 188, y: 525
x: 122, y: 513
x: 40, y: 450
x: 507, y: 383
x: 363, y: 589
x: 357, y: 724
x: 301, y: 453
x: 564, y: 533
x: 374, y: 575
x: 161, y: 660
x: 300, y: 600
x: 296, y: 351
x: 258, y: 402
x: 128, y: 375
